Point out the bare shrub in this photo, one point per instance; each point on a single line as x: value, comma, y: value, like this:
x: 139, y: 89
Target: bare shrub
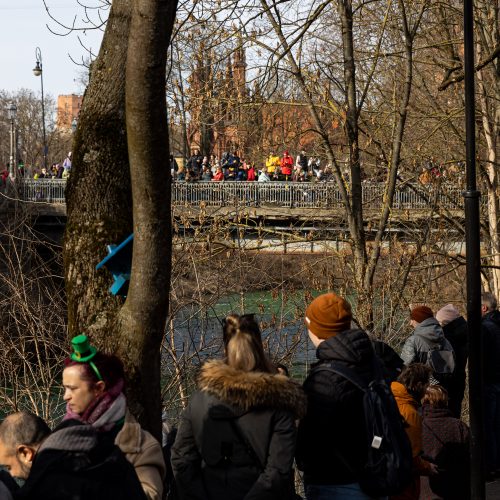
x: 32, y: 322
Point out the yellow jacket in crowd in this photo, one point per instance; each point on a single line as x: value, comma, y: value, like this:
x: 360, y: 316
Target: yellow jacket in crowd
x: 271, y: 163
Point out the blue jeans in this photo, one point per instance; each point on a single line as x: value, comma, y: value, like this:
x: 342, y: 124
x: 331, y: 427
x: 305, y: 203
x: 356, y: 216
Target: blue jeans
x: 492, y: 426
x: 336, y: 492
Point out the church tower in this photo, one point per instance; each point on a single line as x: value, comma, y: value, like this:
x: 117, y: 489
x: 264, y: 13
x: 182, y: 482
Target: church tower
x: 239, y: 72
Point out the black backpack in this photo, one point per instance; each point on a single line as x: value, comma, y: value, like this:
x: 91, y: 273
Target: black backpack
x: 388, y: 469
x: 442, y: 362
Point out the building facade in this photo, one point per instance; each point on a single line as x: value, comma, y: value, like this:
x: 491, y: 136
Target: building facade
x: 68, y: 107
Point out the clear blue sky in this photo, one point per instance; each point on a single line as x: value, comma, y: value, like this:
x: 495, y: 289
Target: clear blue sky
x: 24, y: 27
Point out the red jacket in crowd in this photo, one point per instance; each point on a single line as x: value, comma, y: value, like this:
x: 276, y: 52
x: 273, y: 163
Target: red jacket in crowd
x: 286, y: 164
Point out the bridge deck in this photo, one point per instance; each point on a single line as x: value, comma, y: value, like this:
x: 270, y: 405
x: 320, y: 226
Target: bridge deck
x: 277, y: 200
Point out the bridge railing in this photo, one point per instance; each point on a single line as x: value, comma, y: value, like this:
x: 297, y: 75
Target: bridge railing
x: 279, y: 194
x: 42, y: 190
x: 312, y: 195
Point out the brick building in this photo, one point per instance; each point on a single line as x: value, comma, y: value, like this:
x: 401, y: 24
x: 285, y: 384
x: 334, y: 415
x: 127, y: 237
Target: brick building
x: 225, y: 115
x: 68, y: 107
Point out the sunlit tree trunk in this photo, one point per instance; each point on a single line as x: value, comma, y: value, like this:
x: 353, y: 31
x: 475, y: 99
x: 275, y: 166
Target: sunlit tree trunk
x: 490, y: 120
x: 143, y: 317
x: 99, y: 198
x: 122, y: 135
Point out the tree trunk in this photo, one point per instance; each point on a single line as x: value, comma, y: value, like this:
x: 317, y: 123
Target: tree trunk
x: 352, y: 134
x: 490, y: 119
x: 99, y: 201
x: 144, y: 314
x: 100, y: 196
x: 489, y: 92
x: 356, y: 231
x: 397, y: 138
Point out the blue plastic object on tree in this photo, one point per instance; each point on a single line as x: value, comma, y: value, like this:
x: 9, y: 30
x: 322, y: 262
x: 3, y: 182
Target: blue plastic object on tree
x: 119, y: 263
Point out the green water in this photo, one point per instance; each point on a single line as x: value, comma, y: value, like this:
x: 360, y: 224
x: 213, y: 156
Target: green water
x: 264, y: 303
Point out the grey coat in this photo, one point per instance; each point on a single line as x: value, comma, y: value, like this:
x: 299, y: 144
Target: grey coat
x: 427, y: 335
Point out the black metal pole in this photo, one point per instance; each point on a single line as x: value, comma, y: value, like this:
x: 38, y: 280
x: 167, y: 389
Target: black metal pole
x: 38, y: 71
x: 473, y: 265
x: 12, y: 166
x: 45, y: 148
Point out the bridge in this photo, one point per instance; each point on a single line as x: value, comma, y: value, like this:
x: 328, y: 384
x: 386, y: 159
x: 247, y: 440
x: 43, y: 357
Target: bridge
x: 275, y: 211
x: 315, y: 200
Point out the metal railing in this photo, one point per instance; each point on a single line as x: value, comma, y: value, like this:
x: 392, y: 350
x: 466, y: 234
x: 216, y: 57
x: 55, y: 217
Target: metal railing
x: 42, y: 190
x: 311, y: 195
x: 279, y: 194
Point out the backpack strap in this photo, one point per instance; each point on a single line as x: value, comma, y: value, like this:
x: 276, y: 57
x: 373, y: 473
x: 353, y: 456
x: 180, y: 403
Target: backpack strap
x: 344, y: 372
x: 432, y: 347
x: 351, y: 375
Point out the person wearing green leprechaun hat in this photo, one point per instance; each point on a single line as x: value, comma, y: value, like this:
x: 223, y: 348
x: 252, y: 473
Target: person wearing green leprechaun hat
x: 93, y: 390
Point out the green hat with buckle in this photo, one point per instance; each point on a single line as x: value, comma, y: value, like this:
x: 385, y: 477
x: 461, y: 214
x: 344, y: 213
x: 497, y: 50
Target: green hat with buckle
x: 82, y: 350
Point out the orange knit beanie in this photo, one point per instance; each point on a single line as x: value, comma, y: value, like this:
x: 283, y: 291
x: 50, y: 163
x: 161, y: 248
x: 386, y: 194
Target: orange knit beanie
x: 328, y: 315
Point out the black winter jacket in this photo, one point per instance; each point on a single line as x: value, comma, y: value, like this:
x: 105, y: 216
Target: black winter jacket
x: 331, y: 446
x: 7, y: 485
x: 456, y: 333
x: 236, y: 438
x: 392, y: 364
x: 77, y: 463
x: 491, y: 347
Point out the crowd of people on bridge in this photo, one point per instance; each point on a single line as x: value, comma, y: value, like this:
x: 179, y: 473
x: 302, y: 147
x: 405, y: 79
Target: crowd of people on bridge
x: 367, y: 423
x: 230, y: 167
x: 287, y: 167
x: 59, y: 170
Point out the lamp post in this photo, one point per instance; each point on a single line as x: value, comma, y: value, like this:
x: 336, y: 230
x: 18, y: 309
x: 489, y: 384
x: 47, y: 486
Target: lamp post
x: 11, y: 113
x: 38, y: 71
x: 473, y: 265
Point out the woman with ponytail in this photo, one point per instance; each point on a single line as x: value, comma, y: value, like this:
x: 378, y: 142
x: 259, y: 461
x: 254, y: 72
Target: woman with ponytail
x: 236, y: 438
x: 93, y: 390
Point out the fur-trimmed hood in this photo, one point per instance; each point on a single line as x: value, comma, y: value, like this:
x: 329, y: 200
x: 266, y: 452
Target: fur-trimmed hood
x: 248, y: 390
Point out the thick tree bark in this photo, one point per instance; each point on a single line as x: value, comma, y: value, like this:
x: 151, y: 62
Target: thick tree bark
x: 100, y: 198
x: 143, y: 317
x: 99, y: 201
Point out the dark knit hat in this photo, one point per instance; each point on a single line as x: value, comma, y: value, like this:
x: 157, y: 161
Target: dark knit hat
x: 328, y: 315
x: 421, y: 313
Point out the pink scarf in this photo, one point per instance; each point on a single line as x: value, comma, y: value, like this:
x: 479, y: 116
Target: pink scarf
x: 98, y: 407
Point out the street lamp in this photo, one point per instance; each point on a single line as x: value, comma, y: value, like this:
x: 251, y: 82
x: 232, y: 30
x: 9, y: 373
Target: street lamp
x: 38, y: 71
x: 11, y: 113
x: 473, y: 265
